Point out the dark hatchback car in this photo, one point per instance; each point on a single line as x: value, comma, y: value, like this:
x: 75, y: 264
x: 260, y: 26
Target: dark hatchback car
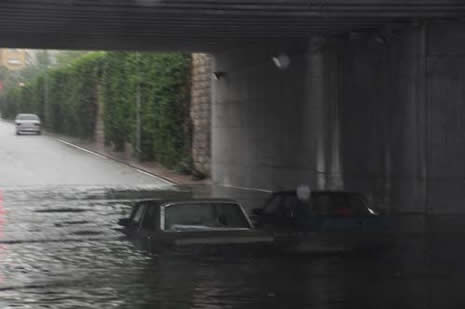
x: 329, y: 221
x: 160, y: 224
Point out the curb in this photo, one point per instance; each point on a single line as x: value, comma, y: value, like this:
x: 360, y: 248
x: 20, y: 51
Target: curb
x: 110, y: 157
x: 105, y: 155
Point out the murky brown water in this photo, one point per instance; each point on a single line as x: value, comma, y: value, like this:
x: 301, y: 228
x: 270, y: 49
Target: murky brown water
x: 60, y: 248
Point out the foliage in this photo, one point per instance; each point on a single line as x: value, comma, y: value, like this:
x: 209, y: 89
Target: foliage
x: 64, y: 98
x: 65, y: 57
x: 9, y: 79
x: 164, y: 95
x: 13, y: 79
x: 67, y: 99
x: 43, y: 58
x: 32, y: 71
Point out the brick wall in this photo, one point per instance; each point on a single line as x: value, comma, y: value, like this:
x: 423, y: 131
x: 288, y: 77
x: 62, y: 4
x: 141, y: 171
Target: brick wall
x: 201, y: 111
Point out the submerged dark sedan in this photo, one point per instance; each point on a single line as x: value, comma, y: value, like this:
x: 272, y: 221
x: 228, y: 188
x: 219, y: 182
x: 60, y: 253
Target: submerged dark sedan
x: 328, y: 221
x: 158, y: 224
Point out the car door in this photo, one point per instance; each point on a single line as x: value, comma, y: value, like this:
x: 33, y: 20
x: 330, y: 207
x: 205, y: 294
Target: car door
x: 338, y: 227
x: 147, y: 234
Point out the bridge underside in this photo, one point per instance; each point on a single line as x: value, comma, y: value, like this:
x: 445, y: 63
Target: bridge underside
x: 199, y: 25
x: 372, y: 99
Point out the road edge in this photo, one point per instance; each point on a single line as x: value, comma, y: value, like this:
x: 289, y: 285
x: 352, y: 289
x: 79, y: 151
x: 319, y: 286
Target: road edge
x: 110, y: 157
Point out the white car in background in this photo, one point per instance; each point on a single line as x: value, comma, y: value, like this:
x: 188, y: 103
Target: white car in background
x: 29, y: 123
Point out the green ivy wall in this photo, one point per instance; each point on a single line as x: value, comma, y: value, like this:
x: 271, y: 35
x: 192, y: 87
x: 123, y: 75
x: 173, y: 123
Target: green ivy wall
x: 66, y: 99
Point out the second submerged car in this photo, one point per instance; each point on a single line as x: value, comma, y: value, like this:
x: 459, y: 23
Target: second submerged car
x: 330, y: 221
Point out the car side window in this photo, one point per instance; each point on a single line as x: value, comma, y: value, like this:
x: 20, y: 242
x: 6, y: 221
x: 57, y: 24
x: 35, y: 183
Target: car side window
x: 198, y: 216
x: 230, y: 215
x: 189, y: 214
x: 148, y: 221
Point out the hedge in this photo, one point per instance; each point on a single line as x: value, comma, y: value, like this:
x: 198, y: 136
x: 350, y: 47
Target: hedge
x: 111, y: 79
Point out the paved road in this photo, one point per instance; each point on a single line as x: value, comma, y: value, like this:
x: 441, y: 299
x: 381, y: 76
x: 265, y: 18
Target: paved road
x: 30, y: 160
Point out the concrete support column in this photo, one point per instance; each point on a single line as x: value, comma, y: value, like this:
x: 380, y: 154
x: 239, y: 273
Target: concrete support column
x: 360, y: 113
x: 264, y: 125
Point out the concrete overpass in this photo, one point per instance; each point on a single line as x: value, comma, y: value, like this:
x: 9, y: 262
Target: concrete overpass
x: 199, y: 25
x: 373, y: 98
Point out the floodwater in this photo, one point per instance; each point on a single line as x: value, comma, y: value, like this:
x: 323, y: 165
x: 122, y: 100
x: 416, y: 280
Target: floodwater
x: 60, y: 248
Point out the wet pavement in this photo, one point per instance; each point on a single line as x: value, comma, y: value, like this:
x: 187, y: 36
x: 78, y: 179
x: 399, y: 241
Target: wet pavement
x: 30, y: 160
x: 60, y: 247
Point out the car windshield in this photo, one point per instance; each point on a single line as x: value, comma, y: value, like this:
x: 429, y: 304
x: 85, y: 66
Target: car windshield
x: 204, y: 215
x: 136, y: 214
x: 27, y: 117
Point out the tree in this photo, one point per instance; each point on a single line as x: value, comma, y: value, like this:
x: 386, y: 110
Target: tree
x: 10, y: 79
x: 43, y: 58
x: 66, y: 57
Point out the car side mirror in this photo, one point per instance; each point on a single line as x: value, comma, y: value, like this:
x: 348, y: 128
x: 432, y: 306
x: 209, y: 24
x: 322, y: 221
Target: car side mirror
x: 123, y: 222
x: 258, y: 211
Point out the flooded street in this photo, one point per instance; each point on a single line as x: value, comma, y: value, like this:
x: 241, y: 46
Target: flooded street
x: 60, y: 248
x: 63, y: 252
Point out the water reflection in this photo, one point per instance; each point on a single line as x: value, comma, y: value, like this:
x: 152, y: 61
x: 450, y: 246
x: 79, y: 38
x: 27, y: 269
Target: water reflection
x: 2, y: 223
x: 60, y: 248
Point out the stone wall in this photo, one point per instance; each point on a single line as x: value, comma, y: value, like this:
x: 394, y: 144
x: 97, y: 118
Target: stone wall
x: 201, y: 112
